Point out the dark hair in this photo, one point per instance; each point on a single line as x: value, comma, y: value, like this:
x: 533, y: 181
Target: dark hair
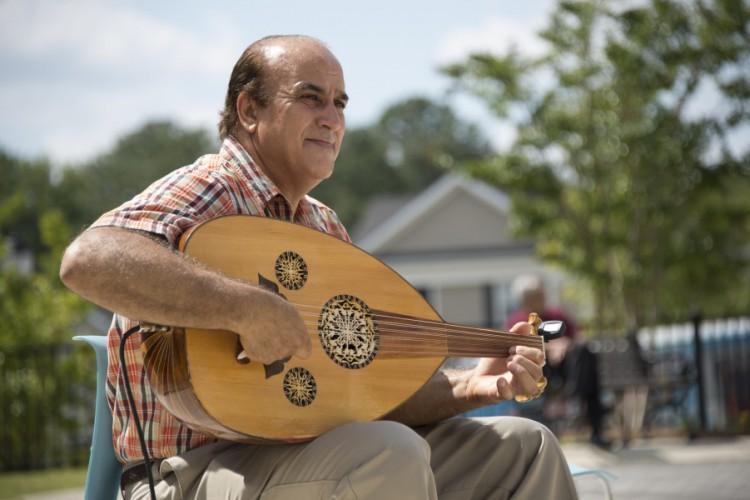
x: 249, y: 75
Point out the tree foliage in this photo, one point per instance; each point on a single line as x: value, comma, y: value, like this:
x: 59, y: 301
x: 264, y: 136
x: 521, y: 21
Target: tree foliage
x: 37, y: 216
x: 40, y: 378
x: 35, y: 308
x: 413, y: 143
x: 139, y: 158
x: 25, y: 194
x: 620, y: 169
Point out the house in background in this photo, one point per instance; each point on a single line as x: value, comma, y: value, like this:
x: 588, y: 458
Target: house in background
x: 453, y: 243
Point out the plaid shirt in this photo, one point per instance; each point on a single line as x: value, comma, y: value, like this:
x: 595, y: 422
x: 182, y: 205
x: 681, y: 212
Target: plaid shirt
x: 221, y: 184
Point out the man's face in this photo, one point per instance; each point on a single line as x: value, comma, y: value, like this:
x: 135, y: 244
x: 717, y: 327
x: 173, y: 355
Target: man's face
x: 299, y: 132
x: 534, y: 300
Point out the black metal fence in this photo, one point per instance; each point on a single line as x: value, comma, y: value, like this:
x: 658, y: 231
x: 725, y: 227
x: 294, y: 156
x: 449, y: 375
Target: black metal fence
x: 696, y: 374
x: 46, y: 406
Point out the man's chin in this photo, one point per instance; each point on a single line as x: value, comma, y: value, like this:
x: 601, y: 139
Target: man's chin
x: 321, y: 171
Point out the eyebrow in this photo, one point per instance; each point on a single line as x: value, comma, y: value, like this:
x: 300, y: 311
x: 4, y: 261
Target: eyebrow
x: 315, y: 88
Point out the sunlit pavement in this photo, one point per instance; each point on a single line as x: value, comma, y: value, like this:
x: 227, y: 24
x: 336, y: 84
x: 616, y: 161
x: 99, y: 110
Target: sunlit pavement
x: 705, y: 469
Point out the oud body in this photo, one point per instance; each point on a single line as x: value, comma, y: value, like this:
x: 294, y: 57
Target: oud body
x: 375, y: 339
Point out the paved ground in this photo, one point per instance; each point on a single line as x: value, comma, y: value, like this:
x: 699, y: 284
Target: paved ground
x: 658, y: 469
x: 667, y: 469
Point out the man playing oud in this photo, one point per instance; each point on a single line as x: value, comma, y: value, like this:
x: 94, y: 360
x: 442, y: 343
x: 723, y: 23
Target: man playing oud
x: 282, y: 128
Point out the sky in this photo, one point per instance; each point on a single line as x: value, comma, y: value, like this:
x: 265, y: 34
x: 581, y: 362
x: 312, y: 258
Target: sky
x: 76, y: 75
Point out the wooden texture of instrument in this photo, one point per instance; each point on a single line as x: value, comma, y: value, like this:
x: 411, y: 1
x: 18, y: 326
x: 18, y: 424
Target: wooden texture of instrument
x: 376, y: 340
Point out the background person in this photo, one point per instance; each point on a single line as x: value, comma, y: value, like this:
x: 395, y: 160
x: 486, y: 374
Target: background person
x: 572, y: 369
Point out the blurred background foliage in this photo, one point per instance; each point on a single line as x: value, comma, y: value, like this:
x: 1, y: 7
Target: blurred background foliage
x: 414, y: 142
x: 620, y: 180
x: 612, y: 171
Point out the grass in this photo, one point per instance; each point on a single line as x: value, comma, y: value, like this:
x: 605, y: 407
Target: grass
x: 15, y: 484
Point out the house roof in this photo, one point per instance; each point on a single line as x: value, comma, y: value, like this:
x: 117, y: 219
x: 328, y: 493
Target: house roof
x: 378, y: 210
x: 404, y: 215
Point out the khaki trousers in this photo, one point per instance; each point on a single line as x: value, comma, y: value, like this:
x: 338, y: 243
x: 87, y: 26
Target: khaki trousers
x: 459, y: 458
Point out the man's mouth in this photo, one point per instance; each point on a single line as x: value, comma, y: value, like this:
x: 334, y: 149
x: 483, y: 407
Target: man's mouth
x: 322, y: 143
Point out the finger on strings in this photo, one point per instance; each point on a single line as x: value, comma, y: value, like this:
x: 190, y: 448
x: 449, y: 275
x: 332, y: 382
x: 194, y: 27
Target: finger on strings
x: 533, y: 369
x: 523, y: 381
x: 533, y: 353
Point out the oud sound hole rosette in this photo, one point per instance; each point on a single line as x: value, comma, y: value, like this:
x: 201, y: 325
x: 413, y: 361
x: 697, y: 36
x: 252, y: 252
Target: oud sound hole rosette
x: 291, y: 270
x: 347, y: 332
x: 299, y: 386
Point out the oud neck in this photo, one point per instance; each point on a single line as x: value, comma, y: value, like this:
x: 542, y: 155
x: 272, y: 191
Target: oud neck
x: 404, y: 336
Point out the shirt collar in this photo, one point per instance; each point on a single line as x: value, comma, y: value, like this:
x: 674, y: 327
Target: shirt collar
x: 240, y: 160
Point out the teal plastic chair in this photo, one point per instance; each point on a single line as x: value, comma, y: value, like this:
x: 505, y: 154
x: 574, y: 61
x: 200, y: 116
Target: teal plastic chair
x: 602, y: 475
x: 103, y: 475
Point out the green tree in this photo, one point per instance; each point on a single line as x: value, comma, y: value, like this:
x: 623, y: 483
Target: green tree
x: 617, y: 180
x: 35, y: 309
x: 25, y: 193
x: 40, y: 379
x: 38, y: 216
x: 139, y: 158
x: 413, y: 143
x: 34, y: 306
x: 41, y: 382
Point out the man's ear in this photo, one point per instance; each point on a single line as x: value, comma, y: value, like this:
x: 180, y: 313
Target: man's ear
x: 246, y: 112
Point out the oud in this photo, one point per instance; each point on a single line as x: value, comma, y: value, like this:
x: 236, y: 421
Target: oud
x: 376, y: 340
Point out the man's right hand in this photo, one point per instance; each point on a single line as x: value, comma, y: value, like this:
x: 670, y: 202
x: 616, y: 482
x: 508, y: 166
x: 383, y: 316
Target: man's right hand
x: 151, y: 279
x: 272, y: 329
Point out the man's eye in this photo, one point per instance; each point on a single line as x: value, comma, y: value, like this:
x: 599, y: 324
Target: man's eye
x: 311, y: 97
x: 340, y: 104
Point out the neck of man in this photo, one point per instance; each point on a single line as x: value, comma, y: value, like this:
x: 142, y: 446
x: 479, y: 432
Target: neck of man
x: 291, y: 188
x: 291, y: 191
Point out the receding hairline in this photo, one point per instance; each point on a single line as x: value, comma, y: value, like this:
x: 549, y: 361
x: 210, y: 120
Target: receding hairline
x: 274, y: 47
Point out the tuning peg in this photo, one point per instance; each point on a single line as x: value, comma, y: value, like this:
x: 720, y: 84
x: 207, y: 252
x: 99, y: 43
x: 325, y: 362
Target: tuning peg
x: 551, y: 330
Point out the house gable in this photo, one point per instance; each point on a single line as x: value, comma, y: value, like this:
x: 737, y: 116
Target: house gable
x: 453, y: 214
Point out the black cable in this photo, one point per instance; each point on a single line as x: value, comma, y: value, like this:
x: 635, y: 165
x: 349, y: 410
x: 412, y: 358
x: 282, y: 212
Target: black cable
x: 124, y: 370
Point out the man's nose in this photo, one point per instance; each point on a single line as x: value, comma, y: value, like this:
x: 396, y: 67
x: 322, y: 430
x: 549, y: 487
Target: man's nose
x: 331, y: 117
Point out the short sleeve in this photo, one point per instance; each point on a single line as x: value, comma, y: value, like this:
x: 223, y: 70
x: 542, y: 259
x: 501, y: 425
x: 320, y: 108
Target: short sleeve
x: 173, y: 204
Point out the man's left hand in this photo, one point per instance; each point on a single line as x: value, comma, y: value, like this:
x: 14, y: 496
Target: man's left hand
x: 498, y: 379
